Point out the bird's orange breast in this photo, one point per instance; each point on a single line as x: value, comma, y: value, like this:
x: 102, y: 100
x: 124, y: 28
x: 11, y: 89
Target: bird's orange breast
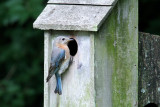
x: 65, y: 47
x: 62, y: 46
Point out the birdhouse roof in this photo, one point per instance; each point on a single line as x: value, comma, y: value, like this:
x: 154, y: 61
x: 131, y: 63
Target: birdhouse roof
x: 89, y: 2
x: 81, y: 15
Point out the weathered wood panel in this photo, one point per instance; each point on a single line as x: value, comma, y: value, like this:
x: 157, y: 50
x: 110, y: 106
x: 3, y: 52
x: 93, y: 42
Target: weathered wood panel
x: 72, y: 17
x: 89, y: 2
x: 116, y: 57
x: 149, y: 69
x: 47, y: 51
x: 78, y: 80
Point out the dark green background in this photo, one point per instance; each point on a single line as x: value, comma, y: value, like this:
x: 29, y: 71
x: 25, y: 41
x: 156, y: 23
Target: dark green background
x: 21, y: 54
x: 149, y: 16
x: 21, y: 49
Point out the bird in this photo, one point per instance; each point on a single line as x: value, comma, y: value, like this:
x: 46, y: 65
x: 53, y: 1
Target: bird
x: 60, y: 60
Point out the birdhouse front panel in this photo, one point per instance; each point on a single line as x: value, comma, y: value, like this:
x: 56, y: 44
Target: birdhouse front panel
x: 78, y: 80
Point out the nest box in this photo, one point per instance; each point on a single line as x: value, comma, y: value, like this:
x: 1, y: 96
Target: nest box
x: 104, y: 72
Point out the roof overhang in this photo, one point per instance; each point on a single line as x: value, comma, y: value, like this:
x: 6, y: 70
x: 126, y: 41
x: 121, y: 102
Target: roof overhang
x: 88, y: 2
x: 72, y: 16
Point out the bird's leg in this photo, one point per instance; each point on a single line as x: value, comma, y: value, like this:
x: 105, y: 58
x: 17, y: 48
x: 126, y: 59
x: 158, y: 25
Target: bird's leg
x: 71, y: 60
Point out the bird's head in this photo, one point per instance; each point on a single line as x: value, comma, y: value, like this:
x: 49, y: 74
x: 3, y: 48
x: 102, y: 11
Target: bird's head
x: 61, y: 40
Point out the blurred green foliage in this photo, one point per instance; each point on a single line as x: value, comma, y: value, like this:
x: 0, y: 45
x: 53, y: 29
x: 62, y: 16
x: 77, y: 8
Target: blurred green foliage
x: 149, y: 17
x: 21, y: 54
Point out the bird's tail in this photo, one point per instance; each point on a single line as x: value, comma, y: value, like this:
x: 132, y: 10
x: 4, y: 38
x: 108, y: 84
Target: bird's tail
x: 48, y: 78
x: 51, y: 73
x: 59, y: 84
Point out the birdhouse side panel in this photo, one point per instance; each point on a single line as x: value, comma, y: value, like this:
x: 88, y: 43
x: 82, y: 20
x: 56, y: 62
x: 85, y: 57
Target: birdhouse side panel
x: 116, y: 57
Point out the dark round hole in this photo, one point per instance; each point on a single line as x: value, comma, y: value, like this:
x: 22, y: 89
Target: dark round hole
x: 151, y: 105
x: 73, y: 47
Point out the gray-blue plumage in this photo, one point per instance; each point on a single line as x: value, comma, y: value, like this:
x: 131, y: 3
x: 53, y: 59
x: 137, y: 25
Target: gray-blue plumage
x: 57, y: 56
x: 60, y: 60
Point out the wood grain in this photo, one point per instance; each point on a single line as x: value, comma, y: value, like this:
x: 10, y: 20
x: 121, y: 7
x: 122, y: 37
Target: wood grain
x: 89, y: 2
x: 149, y: 69
x: 72, y: 17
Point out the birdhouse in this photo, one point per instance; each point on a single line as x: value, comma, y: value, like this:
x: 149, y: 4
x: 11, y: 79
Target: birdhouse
x: 104, y: 70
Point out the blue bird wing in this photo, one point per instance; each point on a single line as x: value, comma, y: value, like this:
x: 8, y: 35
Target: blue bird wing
x: 56, y: 61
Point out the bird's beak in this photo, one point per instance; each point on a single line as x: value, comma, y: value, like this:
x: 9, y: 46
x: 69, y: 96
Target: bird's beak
x: 70, y: 39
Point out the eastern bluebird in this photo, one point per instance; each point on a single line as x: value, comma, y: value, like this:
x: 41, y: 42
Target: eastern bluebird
x: 60, y: 60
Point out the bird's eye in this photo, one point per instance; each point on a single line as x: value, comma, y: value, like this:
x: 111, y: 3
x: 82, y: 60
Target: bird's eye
x: 63, y: 39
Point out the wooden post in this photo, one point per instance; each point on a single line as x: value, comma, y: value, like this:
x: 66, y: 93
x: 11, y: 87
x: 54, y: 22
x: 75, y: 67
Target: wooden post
x: 149, y: 69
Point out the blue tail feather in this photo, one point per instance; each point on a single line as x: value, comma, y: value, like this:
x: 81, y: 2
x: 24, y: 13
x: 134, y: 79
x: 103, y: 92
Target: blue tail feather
x: 59, y: 84
x: 56, y: 90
